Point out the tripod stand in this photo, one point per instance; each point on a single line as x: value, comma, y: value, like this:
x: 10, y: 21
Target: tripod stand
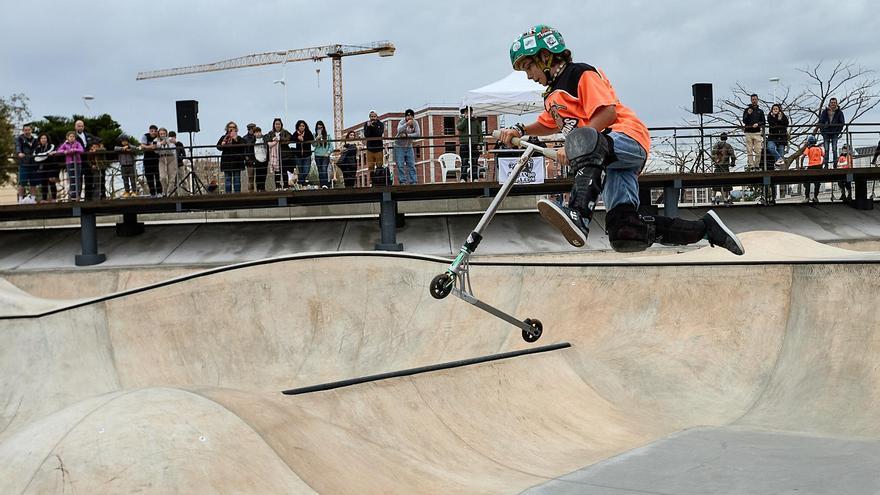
x: 191, y: 179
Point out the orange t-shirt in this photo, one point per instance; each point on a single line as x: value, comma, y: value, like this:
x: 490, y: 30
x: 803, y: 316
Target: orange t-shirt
x: 575, y: 96
x: 845, y: 161
x: 815, y: 155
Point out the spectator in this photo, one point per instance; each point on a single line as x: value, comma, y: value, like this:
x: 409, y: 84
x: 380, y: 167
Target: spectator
x: 407, y: 130
x: 323, y: 148
x: 231, y: 147
x: 753, y: 126
x: 470, y: 134
x: 261, y: 159
x: 777, y: 136
x: 302, y: 151
x: 845, y: 161
x: 46, y: 168
x: 86, y: 140
x: 816, y: 158
x: 280, y: 154
x: 25, y: 144
x: 151, y: 162
x: 125, y: 155
x: 181, y: 163
x: 72, y: 152
x: 724, y: 158
x: 166, y: 147
x: 831, y: 121
x: 348, y: 159
x: 374, y: 129
x: 249, y: 157
x: 96, y: 161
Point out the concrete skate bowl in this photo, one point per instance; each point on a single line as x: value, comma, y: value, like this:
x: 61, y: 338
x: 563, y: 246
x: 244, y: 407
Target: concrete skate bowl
x: 176, y: 387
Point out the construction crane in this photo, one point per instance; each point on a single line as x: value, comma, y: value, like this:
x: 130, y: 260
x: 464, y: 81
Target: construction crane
x: 318, y: 53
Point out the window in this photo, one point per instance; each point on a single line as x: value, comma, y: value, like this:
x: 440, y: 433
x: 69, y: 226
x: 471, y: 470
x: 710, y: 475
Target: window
x: 449, y: 126
x: 449, y: 147
x: 484, y: 125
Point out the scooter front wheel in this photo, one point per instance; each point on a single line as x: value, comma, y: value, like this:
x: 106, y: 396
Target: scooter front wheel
x: 441, y: 286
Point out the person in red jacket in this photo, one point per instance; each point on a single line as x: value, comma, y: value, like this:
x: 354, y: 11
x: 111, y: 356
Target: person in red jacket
x: 606, y: 146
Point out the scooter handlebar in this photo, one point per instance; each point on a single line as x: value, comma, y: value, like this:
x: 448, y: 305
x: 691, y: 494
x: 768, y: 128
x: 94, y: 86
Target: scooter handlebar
x: 519, y: 143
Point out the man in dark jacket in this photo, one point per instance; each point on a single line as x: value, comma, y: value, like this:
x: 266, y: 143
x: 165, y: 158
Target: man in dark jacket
x: 91, y: 178
x: 27, y: 171
x: 753, y: 125
x: 374, y: 128
x: 831, y: 122
x: 249, y: 139
x: 723, y: 157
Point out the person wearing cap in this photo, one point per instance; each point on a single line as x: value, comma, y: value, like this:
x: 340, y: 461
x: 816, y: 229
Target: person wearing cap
x: 606, y: 146
x: 724, y: 158
x: 404, y: 155
x: 470, y: 136
x: 249, y: 140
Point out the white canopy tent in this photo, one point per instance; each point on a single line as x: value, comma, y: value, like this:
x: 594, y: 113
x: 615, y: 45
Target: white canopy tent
x: 515, y: 95
x: 512, y: 95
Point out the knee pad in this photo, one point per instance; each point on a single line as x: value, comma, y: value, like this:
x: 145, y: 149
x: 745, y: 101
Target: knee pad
x: 586, y: 147
x: 628, y: 231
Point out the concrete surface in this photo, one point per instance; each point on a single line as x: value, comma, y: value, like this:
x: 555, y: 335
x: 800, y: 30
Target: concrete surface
x: 176, y: 387
x: 730, y: 461
x: 212, y: 243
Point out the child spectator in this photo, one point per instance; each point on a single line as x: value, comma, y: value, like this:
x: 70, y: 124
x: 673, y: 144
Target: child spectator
x: 97, y: 165
x: 323, y: 148
x: 845, y: 161
x: 166, y: 148
x: 816, y: 157
x: 261, y: 159
x: 46, y: 167
x: 72, y: 152
x: 125, y: 155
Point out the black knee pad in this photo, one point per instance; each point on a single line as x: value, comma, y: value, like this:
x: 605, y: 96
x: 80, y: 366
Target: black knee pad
x: 628, y: 231
x: 586, y: 147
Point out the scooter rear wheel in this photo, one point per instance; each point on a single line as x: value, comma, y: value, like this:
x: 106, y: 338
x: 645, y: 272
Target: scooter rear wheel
x: 537, y: 329
x: 441, y: 286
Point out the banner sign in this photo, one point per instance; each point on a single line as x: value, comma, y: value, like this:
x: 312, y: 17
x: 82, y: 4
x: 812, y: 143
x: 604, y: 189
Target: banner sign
x: 532, y: 173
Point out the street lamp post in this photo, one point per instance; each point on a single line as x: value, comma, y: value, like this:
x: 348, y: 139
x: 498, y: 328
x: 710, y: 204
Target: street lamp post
x: 775, y: 81
x: 86, y: 99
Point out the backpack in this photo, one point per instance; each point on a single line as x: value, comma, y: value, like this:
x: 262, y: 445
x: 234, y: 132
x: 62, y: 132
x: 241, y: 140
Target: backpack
x: 380, y: 176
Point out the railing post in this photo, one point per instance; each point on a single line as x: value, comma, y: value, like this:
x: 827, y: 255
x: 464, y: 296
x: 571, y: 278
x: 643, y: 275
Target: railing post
x: 388, y: 224
x: 89, y: 242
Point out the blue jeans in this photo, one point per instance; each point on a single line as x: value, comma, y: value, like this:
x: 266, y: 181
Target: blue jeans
x: 233, y: 181
x: 405, y: 157
x: 323, y: 163
x: 775, y: 149
x: 622, y: 176
x: 303, y: 165
x: 830, y: 141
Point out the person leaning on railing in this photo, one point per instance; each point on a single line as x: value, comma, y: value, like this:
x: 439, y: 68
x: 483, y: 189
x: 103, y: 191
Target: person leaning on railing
x: 815, y: 157
x: 845, y: 161
x: 348, y: 159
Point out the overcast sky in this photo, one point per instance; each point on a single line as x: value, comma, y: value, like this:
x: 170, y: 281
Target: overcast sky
x: 651, y: 50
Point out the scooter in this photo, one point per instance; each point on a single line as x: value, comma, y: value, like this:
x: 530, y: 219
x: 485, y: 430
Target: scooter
x: 456, y: 279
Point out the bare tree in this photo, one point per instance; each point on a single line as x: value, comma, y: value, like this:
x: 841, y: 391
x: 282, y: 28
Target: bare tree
x: 854, y: 86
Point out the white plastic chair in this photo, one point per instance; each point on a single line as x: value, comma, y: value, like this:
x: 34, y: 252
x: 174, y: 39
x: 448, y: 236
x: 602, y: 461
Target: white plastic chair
x: 450, y: 162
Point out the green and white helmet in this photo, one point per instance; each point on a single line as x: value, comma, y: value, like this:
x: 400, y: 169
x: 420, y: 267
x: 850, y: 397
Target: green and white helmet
x: 540, y: 37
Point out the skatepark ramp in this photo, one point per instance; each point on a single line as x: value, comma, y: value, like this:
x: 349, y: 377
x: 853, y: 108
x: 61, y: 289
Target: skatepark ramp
x: 177, y: 386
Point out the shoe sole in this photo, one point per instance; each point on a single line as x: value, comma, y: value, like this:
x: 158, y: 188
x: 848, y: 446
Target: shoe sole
x: 555, y: 217
x: 727, y: 231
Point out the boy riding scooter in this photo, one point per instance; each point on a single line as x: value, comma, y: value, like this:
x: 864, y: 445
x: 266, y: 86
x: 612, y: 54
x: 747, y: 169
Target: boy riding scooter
x: 606, y: 147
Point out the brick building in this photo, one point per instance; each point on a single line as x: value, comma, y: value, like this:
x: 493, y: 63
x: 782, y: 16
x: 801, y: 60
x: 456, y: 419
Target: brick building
x: 439, y: 136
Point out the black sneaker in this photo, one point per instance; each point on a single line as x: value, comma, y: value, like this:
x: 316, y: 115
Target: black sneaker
x: 566, y: 220
x: 719, y: 235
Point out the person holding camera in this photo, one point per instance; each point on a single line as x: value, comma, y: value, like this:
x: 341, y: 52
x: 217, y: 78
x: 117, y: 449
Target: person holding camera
x: 232, y: 152
x: 404, y: 155
x: 374, y: 129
